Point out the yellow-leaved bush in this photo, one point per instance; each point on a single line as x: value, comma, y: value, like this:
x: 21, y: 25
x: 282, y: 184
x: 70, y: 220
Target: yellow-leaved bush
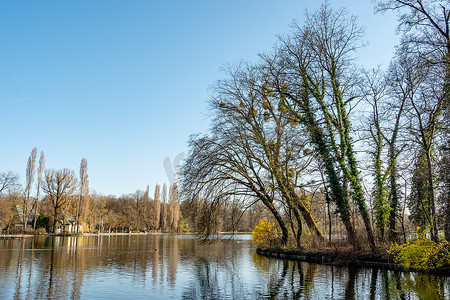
x: 265, y: 234
x: 422, y: 253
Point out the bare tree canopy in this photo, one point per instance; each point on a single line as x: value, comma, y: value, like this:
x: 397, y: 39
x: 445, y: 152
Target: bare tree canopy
x: 425, y: 23
x: 8, y: 182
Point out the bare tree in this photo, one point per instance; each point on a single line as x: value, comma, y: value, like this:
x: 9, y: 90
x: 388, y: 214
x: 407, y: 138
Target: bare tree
x: 387, y: 93
x: 148, y: 209
x: 169, y: 210
x: 222, y: 168
x: 140, y: 206
x: 425, y: 24
x: 426, y: 109
x: 157, y: 206
x: 162, y: 219
x: 40, y: 170
x: 375, y: 93
x: 59, y: 185
x: 10, y: 197
x: 8, y: 182
x: 246, y: 102
x: 426, y: 37
x: 174, y: 209
x: 8, y: 209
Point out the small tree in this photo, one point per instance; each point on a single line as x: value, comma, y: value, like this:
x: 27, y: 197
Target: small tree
x: 265, y: 234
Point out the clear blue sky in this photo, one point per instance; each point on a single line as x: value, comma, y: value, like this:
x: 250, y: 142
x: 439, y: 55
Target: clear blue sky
x: 125, y: 83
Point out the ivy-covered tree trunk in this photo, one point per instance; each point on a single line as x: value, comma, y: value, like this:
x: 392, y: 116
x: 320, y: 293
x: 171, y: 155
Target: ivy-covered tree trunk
x: 446, y: 165
x: 358, y: 195
x: 318, y: 139
x: 444, y: 196
x: 394, y: 194
x: 419, y: 202
x: 394, y: 197
x: 434, y: 230
x: 427, y: 133
x: 381, y: 202
x: 352, y: 172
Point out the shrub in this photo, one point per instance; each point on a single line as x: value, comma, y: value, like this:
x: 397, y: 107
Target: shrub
x: 183, y: 227
x: 422, y: 253
x: 41, y: 231
x: 45, y: 222
x: 265, y: 234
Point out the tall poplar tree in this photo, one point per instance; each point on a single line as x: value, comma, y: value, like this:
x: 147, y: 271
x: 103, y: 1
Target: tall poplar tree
x: 31, y: 167
x: 40, y: 171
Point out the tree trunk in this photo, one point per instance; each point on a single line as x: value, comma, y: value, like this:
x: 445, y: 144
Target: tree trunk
x: 393, y: 236
x: 279, y: 219
x: 433, y: 231
x: 55, y: 219
x: 329, y: 219
x: 308, y: 218
x: 299, y: 233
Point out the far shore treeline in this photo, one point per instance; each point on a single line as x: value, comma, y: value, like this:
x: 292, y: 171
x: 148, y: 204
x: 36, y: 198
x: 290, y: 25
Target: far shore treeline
x: 61, y: 203
x: 306, y: 147
x: 58, y: 201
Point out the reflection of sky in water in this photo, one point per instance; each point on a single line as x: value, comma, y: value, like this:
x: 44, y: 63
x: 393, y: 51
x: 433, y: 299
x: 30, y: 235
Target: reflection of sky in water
x: 174, y: 267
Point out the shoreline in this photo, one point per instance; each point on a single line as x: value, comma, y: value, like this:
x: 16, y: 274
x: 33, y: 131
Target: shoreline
x: 345, y: 259
x: 120, y: 233
x: 15, y: 236
x: 21, y: 236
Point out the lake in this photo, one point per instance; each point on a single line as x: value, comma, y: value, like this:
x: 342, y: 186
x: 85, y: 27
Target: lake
x: 180, y: 267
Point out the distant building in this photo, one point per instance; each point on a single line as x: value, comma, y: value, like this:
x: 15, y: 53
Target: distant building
x: 68, y: 225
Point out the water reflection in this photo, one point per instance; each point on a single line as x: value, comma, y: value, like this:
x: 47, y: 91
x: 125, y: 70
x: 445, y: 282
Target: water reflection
x: 171, y: 267
x: 300, y: 280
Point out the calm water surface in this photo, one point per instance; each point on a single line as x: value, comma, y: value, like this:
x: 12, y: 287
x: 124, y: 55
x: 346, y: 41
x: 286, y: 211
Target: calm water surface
x: 179, y: 267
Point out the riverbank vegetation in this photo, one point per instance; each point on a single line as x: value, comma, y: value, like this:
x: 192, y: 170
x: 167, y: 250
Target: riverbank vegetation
x: 335, y: 153
x: 422, y: 253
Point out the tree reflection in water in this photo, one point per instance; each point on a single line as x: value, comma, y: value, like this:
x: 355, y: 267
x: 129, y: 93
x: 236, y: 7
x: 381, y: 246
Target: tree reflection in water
x: 163, y: 266
x: 301, y: 280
